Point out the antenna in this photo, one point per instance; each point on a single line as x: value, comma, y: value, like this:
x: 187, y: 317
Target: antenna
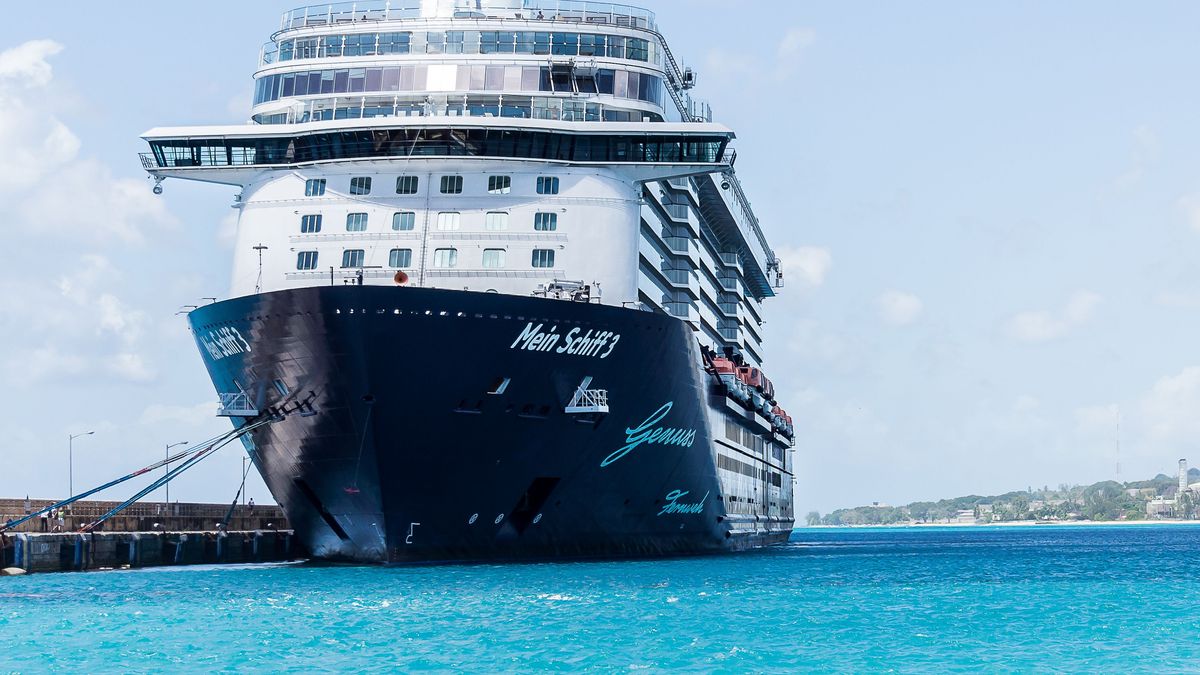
x: 1118, y: 416
x: 260, y: 248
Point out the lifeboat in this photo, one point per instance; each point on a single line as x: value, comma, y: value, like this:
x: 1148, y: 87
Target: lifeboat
x: 726, y: 371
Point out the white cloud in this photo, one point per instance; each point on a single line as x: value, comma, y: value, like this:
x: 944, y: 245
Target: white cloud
x: 794, y: 41
x: 183, y: 415
x: 1043, y: 325
x: 898, y: 307
x: 1098, y: 420
x: 811, y: 264
x: 239, y: 105
x: 787, y: 55
x: 1170, y: 408
x: 1026, y: 403
x: 43, y: 180
x: 1190, y: 205
x: 1144, y: 153
x: 227, y: 230
x: 26, y: 63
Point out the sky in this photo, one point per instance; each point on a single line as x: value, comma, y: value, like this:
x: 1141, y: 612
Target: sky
x: 988, y: 215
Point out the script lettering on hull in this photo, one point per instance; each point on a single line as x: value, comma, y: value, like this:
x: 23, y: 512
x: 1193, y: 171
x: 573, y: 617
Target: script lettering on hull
x: 223, y: 342
x: 648, y: 434
x: 673, y: 504
x: 575, y: 342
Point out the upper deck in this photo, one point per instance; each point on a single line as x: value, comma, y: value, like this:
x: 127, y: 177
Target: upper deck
x: 345, y: 14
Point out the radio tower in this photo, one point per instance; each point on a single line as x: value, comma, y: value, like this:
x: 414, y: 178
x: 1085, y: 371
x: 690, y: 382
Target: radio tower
x: 1118, y: 415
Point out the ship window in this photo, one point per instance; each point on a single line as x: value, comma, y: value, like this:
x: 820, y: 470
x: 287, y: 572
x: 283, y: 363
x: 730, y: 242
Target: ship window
x: 314, y: 187
x: 495, y: 221
x: 406, y: 185
x: 400, y: 257
x: 404, y: 220
x: 493, y: 258
x: 499, y: 185
x: 306, y: 260
x: 543, y: 257
x: 352, y: 257
x: 356, y: 222
x: 445, y: 257
x: 545, y: 222
x: 360, y: 185
x: 452, y: 185
x: 447, y: 220
x: 547, y: 185
x: 310, y: 224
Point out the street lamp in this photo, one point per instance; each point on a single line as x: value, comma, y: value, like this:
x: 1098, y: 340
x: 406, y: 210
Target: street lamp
x: 167, y: 470
x: 71, y: 461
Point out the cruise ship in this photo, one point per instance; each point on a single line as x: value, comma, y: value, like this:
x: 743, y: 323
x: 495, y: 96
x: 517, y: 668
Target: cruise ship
x: 498, y: 286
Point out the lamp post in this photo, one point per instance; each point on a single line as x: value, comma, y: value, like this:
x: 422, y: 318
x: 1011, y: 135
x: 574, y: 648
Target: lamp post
x: 167, y: 469
x: 71, y: 461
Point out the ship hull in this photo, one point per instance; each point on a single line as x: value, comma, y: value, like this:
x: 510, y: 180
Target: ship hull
x: 431, y: 425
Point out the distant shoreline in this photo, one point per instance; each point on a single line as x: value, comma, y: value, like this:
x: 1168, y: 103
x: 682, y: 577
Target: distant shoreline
x: 1010, y: 523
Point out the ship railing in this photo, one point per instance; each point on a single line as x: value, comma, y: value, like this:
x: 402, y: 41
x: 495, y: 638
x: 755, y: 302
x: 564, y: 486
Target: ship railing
x: 149, y: 161
x: 235, y: 405
x: 588, y: 400
x: 570, y: 11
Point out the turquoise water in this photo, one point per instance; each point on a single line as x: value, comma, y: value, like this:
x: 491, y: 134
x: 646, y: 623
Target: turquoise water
x: 1030, y: 598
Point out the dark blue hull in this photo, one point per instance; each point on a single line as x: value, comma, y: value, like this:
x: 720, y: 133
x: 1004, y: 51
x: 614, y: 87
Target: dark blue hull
x: 395, y: 445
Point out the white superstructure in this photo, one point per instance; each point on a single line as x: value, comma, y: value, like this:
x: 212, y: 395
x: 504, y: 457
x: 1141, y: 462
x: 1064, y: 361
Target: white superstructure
x: 488, y: 145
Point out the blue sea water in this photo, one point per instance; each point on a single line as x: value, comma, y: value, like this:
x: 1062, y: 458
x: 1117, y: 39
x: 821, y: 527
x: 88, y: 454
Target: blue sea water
x: 927, y: 599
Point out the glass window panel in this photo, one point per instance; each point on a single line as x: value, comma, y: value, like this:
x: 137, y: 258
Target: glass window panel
x: 400, y: 257
x: 452, y: 185
x: 356, y: 222
x: 391, y: 79
x: 301, y: 84
x: 288, y: 85
x: 604, y: 81
x: 327, y: 82
x: 547, y: 185
x: 545, y: 222
x: 616, y: 47
x: 406, y: 185
x: 543, y: 257
x: 306, y: 260
x: 374, y: 79
x: 541, y: 43
x: 314, y: 187
x: 448, y: 221
x: 445, y: 257
x: 621, y: 84
x: 341, y: 79
x: 493, y: 78
x: 403, y: 221
x: 360, y: 185
x: 524, y: 43
x: 493, y: 258
x: 499, y: 185
x: 477, y: 75
x: 310, y: 224
x: 496, y: 221
x: 357, y: 76
x: 353, y: 257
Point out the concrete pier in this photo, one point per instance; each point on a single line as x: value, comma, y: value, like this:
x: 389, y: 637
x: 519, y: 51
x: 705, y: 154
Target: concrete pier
x: 68, y: 552
x: 144, y: 516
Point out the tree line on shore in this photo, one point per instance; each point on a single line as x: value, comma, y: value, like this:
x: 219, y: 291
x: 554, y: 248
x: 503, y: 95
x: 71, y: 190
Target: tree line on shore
x: 1103, y: 501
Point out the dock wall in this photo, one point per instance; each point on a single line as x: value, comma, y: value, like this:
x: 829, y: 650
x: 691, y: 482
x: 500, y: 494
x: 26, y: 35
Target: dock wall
x: 68, y: 552
x: 144, y: 516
